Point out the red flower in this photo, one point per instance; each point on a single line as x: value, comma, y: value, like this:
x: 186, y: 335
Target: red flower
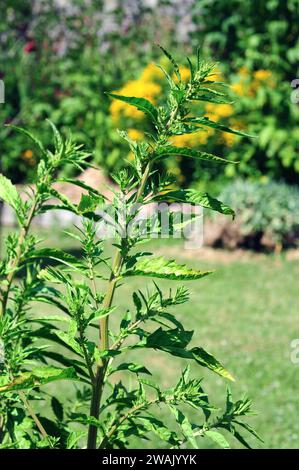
x: 29, y: 47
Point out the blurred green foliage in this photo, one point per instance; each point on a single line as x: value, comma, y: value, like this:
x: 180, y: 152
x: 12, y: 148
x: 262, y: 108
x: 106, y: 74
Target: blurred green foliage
x: 59, y: 61
x: 268, y: 210
x: 260, y: 35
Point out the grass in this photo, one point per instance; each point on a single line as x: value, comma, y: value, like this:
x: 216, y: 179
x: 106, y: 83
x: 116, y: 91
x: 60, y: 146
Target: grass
x: 245, y: 314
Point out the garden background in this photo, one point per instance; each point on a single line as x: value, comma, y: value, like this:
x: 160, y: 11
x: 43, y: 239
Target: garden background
x: 58, y: 59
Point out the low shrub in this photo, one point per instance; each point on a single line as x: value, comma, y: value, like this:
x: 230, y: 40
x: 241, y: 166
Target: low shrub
x: 267, y: 215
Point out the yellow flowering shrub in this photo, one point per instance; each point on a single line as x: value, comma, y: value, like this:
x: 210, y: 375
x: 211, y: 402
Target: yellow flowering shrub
x: 135, y: 134
x: 262, y: 75
x: 193, y: 140
x: 248, y: 83
x: 185, y: 74
x: 218, y: 111
x: 149, y: 85
x: 139, y: 88
x: 151, y: 73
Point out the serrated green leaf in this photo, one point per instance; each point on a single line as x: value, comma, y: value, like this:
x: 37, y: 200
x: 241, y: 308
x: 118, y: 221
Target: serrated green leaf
x: 218, y: 438
x: 210, y: 99
x: 73, y: 438
x: 211, y: 91
x: 157, y: 427
x: 57, y: 255
x: 205, y: 359
x: 205, y: 121
x: 249, y: 429
x: 53, y: 207
x: 9, y: 194
x: 32, y: 137
x: 79, y: 366
x: 171, y: 59
x: 58, y: 142
x: 100, y: 313
x: 82, y: 185
x: 185, y: 425
x: 191, y: 196
x: 171, y: 150
x: 165, y: 269
x: 54, y: 275
x: 88, y: 203
x: 240, y: 438
x: 67, y: 204
x: 132, y: 367
x: 88, y: 215
x: 71, y: 342
x: 141, y: 104
x: 169, y: 339
x: 46, y: 318
x: 39, y: 376
x: 84, y: 419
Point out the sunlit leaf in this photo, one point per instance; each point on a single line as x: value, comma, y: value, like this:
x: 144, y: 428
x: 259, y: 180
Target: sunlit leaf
x: 165, y: 269
x: 10, y: 195
x: 170, y: 150
x: 205, y: 359
x: 218, y: 438
x: 191, y: 196
x: 39, y: 376
x: 141, y: 104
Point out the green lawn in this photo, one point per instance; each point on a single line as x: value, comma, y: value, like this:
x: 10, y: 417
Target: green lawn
x: 246, y: 315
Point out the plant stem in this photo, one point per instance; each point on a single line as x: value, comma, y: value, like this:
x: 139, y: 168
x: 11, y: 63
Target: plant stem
x: 39, y: 425
x: 143, y: 181
x: 126, y: 416
x: 31, y: 411
x: 87, y: 358
x: 98, y: 385
x: 10, y: 277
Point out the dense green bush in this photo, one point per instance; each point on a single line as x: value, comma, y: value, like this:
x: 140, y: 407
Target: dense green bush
x: 268, y: 211
x: 57, y: 66
x: 259, y: 36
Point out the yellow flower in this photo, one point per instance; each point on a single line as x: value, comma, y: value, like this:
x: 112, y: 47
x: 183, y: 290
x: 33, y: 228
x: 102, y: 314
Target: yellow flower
x: 239, y: 88
x: 192, y: 140
x: 228, y: 139
x: 131, y: 156
x: 218, y: 111
x: 216, y: 74
x: 185, y: 74
x: 243, y: 71
x: 135, y: 134
x: 262, y: 75
x: 151, y: 73
x: 138, y: 88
